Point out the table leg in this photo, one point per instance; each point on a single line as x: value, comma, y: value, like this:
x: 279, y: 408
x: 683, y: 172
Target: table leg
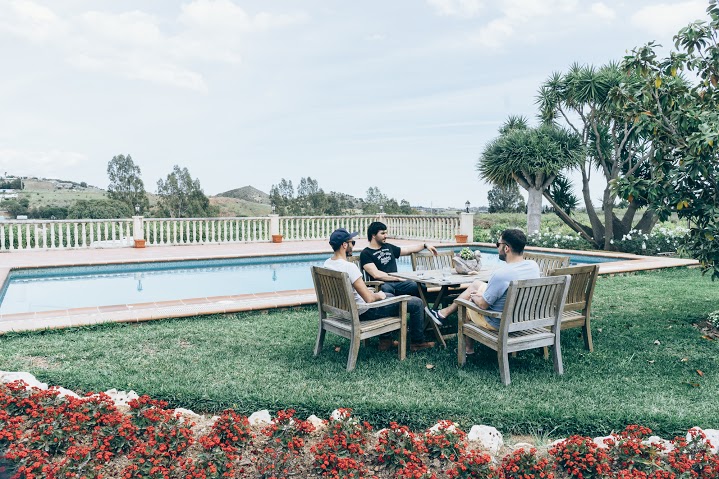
x: 435, y: 328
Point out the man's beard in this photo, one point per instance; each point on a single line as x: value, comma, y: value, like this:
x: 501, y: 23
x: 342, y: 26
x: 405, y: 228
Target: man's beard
x: 503, y: 256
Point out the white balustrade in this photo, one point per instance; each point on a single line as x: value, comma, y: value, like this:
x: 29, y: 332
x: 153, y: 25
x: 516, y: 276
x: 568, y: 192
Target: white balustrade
x: 78, y: 234
x: 64, y: 234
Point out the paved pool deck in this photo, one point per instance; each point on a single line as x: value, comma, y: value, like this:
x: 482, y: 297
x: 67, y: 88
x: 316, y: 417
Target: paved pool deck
x: 219, y: 304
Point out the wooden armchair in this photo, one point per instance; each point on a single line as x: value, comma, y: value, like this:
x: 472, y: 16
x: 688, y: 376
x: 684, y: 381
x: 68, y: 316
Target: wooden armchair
x: 578, y: 305
x: 531, y: 319
x: 424, y: 260
x: 339, y: 314
x: 371, y: 283
x: 547, y: 262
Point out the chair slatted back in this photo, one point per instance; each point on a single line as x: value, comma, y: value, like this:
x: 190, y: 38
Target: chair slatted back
x: 334, y: 294
x: 547, y: 262
x: 581, y: 287
x: 534, y: 303
x: 425, y: 261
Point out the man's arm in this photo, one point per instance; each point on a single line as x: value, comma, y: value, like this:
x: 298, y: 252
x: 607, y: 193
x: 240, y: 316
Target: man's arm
x: 416, y: 248
x: 375, y: 273
x: 366, y: 294
x: 478, y: 299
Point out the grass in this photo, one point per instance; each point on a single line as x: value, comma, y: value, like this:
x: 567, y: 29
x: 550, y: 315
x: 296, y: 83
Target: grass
x: 253, y: 361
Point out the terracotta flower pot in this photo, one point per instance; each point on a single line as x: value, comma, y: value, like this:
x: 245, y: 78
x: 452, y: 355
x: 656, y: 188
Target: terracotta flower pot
x: 460, y: 238
x: 139, y: 243
x: 277, y: 238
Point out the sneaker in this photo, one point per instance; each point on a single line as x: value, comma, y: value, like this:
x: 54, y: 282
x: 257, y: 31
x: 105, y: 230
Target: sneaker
x: 387, y: 344
x: 420, y: 346
x: 434, y: 314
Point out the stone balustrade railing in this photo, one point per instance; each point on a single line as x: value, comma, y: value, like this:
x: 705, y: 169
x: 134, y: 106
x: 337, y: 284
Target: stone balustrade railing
x: 64, y: 234
x: 22, y: 235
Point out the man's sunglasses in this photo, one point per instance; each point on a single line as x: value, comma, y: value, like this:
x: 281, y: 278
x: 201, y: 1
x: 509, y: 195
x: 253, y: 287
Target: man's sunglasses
x: 499, y: 243
x: 353, y: 242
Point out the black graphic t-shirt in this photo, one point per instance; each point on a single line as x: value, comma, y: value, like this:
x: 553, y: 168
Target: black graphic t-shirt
x: 384, y: 258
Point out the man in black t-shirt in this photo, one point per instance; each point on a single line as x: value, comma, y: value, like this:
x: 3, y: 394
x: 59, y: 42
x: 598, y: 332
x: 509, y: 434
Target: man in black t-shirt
x: 379, y: 260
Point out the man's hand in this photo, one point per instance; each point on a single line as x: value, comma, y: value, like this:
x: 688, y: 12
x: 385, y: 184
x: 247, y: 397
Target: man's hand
x: 432, y: 249
x: 380, y: 295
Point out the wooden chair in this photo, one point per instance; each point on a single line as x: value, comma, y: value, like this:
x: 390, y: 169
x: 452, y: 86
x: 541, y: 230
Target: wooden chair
x: 547, y: 262
x: 531, y: 319
x: 371, y: 283
x: 339, y: 314
x: 578, y: 305
x: 424, y: 261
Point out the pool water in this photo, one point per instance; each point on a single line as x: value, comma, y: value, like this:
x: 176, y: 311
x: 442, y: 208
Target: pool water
x: 48, y: 289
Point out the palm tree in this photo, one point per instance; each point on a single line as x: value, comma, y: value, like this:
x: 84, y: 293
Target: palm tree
x: 532, y: 157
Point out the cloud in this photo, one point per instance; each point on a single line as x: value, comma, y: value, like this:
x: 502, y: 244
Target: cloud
x: 601, y: 10
x: 665, y: 20
x: 30, y: 21
x: 140, y: 46
x: 457, y: 8
x: 53, y: 163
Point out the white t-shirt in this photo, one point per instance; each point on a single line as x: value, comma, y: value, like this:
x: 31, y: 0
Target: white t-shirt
x: 354, y: 273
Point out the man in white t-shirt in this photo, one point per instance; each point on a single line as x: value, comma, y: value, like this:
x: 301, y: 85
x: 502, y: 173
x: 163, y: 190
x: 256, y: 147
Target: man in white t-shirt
x: 492, y: 295
x: 342, y: 242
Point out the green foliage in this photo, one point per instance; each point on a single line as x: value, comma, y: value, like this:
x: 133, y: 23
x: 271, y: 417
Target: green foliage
x: 660, y: 240
x: 126, y: 184
x: 310, y: 200
x: 16, y: 207
x: 561, y: 191
x: 681, y: 116
x: 99, y: 209
x: 15, y: 184
x: 557, y: 240
x: 181, y: 196
x: 713, y: 318
x: 591, y: 102
x: 505, y: 199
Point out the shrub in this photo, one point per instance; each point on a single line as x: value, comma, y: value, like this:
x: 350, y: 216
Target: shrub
x: 713, y: 319
x: 661, y: 239
x: 523, y: 464
x: 581, y: 458
x: 556, y: 240
x: 474, y: 465
x: 447, y: 442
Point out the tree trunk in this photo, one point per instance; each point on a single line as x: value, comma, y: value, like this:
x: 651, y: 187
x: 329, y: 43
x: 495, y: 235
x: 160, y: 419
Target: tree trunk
x: 608, y: 203
x: 594, y: 222
x: 647, y: 221
x: 534, y: 210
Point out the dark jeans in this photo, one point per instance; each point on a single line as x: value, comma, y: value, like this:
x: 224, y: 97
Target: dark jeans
x: 401, y: 287
x: 416, y: 316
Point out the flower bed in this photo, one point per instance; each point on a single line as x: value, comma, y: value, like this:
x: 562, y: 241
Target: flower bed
x: 44, y: 434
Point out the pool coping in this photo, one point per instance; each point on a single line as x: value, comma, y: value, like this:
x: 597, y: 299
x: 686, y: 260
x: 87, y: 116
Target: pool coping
x: 189, y: 307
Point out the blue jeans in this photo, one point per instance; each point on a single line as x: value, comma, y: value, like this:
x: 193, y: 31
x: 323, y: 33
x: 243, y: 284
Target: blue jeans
x: 415, y: 308
x: 400, y: 287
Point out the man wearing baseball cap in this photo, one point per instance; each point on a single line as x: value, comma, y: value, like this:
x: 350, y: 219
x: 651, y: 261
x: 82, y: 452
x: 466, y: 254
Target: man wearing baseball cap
x: 342, y: 242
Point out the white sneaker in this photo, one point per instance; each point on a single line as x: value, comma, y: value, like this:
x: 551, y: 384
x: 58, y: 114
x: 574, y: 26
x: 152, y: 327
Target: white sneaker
x: 434, y: 315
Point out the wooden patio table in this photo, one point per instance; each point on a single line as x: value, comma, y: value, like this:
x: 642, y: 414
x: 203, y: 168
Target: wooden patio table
x: 444, y: 279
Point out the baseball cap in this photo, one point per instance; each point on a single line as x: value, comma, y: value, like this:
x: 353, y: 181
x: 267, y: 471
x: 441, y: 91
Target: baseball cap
x: 341, y: 235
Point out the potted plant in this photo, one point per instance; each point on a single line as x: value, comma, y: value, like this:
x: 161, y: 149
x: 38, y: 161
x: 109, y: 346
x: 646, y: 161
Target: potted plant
x: 277, y: 238
x: 460, y: 238
x: 139, y: 243
x: 467, y: 261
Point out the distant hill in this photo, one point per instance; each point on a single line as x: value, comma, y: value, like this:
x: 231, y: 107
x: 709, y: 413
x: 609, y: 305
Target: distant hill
x: 248, y: 193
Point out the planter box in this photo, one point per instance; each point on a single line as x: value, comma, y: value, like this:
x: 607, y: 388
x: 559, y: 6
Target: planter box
x: 460, y: 238
x: 139, y: 243
x: 277, y: 238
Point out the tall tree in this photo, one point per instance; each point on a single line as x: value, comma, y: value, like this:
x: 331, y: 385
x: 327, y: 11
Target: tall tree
x: 592, y: 103
x: 505, y: 199
x: 181, y: 196
x: 373, y: 200
x: 282, y: 197
x: 680, y: 115
x: 531, y: 157
x: 126, y: 184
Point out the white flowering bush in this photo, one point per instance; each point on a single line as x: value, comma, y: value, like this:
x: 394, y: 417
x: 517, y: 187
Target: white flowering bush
x: 660, y: 240
x: 714, y: 319
x: 558, y: 240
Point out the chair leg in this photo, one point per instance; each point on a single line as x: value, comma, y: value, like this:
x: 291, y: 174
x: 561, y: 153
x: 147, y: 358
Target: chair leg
x: 354, y: 352
x: 558, y: 367
x: 320, y: 339
x: 587, y: 334
x: 503, y: 359
x: 461, y: 345
x: 546, y: 352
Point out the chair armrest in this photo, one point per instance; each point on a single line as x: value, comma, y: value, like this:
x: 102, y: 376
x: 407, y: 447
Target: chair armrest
x: 374, y: 284
x: 387, y: 301
x: 474, y: 307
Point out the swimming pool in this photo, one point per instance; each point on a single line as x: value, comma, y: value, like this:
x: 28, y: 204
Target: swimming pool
x: 49, y: 289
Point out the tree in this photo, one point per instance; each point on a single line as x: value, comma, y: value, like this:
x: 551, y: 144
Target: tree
x: 531, y: 157
x: 126, y: 184
x: 505, y: 199
x: 592, y: 103
x: 681, y: 118
x: 99, y: 209
x: 282, y: 197
x: 562, y: 193
x: 311, y: 200
x: 181, y: 196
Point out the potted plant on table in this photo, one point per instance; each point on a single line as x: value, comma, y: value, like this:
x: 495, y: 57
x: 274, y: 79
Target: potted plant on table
x: 467, y: 261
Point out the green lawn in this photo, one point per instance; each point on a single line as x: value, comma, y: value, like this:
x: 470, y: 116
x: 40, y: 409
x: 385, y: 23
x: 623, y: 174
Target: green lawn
x: 253, y: 361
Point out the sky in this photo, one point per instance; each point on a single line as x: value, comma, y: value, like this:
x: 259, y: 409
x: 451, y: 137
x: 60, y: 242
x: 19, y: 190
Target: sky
x: 402, y: 95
